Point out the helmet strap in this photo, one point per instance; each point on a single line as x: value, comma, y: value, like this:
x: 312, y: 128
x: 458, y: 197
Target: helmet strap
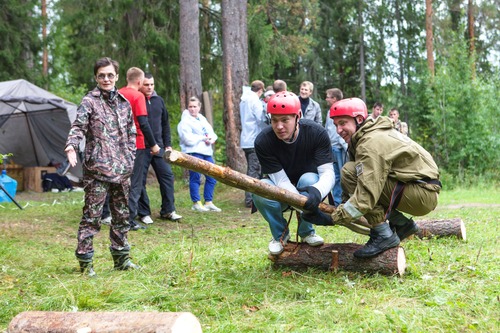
x: 292, y: 138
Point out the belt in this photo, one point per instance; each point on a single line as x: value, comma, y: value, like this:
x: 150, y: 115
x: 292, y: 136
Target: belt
x: 430, y: 181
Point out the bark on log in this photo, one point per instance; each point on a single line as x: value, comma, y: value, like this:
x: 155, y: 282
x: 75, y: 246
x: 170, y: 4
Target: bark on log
x: 332, y: 257
x: 239, y: 180
x: 440, y: 228
x: 104, y: 322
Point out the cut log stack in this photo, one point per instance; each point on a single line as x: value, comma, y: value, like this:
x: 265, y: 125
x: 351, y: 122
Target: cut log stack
x: 333, y: 257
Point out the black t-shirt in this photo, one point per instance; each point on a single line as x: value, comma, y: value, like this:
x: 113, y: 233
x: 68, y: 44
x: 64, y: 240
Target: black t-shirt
x: 311, y: 149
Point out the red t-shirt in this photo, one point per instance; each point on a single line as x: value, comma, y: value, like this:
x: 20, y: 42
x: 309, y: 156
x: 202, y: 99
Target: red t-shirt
x: 138, y: 103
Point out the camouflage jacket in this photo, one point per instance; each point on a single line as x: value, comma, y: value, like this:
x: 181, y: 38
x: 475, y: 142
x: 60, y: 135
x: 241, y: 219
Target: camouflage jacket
x: 108, y: 128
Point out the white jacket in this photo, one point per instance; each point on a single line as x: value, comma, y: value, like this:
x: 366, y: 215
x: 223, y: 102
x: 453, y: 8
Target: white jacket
x: 253, y: 118
x: 193, y: 133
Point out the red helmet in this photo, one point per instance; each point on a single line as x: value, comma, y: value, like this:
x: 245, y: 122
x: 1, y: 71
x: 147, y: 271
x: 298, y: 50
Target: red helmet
x: 284, y: 102
x: 351, y: 107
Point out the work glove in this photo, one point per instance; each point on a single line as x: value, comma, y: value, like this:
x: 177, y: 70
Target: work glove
x: 313, y: 198
x: 318, y: 218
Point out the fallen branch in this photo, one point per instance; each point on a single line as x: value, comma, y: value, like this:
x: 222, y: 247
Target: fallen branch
x: 440, y: 228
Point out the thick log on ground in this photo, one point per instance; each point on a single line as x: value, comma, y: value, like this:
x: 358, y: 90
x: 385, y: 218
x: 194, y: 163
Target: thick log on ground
x: 333, y: 257
x: 104, y: 322
x: 440, y: 228
x: 239, y: 180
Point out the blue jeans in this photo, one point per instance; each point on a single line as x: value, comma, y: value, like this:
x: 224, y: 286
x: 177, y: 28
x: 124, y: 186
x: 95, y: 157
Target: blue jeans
x: 195, y: 182
x: 338, y: 162
x: 272, y: 211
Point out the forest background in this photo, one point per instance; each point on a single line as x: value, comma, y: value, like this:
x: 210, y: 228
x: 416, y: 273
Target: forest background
x: 438, y: 62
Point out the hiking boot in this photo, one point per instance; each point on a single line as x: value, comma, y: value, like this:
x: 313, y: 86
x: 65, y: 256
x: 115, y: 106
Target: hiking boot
x: 213, y: 208
x: 404, y: 226
x: 381, y: 239
x: 198, y: 207
x: 106, y: 220
x: 171, y: 216
x: 87, y: 267
x: 276, y: 246
x: 147, y: 219
x: 313, y: 240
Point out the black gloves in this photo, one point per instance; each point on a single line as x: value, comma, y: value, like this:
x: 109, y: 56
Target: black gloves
x: 318, y: 218
x: 313, y: 198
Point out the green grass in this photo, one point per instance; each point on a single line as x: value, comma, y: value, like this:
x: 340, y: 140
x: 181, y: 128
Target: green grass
x: 216, y: 266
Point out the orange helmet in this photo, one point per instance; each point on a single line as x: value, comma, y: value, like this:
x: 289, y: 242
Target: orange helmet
x: 351, y: 107
x: 284, y: 102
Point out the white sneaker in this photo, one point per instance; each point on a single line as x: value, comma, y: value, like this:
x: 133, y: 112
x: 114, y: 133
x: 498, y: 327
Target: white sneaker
x: 106, y: 221
x: 172, y: 216
x: 275, y: 246
x: 199, y: 208
x: 212, y: 207
x: 313, y: 240
x: 147, y: 219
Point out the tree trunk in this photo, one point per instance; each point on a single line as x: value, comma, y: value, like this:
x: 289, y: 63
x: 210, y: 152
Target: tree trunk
x: 362, y: 76
x: 472, y: 48
x: 104, y: 322
x: 429, y: 36
x: 440, y: 228
x: 340, y: 256
x: 235, y: 75
x: 242, y: 181
x: 189, y: 45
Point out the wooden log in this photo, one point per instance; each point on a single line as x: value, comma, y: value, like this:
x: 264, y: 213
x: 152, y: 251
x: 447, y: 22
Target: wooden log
x: 239, y: 180
x: 440, y: 228
x: 104, y: 322
x: 333, y: 257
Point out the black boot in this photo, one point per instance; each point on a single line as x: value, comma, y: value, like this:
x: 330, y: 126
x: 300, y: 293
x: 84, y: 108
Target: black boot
x: 87, y: 267
x: 122, y: 261
x: 405, y: 227
x: 381, y: 238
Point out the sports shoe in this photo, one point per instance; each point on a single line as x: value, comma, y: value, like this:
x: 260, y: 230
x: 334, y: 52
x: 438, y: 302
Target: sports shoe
x: 136, y: 226
x: 147, y: 219
x: 313, y: 240
x: 63, y: 168
x: 171, y: 216
x: 197, y: 207
x: 106, y: 220
x: 213, y: 208
x: 275, y: 246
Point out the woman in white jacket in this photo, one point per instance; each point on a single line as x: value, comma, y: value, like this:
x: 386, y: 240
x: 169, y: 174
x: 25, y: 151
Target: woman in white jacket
x: 196, y: 139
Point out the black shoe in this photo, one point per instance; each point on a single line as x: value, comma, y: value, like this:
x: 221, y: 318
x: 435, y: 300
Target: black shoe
x: 377, y: 244
x: 406, y: 230
x: 136, y: 226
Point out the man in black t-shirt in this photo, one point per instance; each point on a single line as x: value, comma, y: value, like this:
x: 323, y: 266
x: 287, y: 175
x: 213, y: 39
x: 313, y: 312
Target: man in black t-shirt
x: 297, y: 156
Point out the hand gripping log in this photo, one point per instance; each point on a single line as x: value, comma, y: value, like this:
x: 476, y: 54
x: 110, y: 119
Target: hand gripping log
x: 236, y: 179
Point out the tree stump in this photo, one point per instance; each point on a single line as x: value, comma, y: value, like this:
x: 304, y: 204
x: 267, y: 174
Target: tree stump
x: 332, y: 257
x: 104, y: 322
x: 440, y: 228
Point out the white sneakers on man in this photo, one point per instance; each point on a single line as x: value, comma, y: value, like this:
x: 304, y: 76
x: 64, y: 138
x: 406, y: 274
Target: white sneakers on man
x: 313, y: 240
x: 198, y: 207
x: 213, y: 208
x: 147, y: 219
x: 276, y: 247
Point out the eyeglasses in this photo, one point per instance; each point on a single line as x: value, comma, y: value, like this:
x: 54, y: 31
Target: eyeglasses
x: 110, y: 76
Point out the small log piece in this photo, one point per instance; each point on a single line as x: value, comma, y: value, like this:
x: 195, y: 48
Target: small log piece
x: 340, y: 256
x: 104, y: 322
x: 440, y: 228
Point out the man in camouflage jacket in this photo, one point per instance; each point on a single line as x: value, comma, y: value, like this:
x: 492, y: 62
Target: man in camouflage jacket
x: 104, y: 120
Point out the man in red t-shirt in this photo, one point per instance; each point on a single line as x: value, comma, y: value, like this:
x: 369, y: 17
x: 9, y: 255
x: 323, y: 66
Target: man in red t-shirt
x: 135, y: 77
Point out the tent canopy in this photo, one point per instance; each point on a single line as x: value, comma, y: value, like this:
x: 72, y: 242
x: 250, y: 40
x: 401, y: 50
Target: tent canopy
x: 34, y: 123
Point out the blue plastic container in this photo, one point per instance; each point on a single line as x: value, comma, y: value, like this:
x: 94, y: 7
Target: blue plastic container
x: 9, y: 184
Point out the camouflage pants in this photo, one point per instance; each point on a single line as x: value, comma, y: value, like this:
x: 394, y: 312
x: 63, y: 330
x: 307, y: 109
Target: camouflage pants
x: 90, y: 224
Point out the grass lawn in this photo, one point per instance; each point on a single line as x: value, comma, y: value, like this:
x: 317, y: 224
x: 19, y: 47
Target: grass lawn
x: 215, y: 265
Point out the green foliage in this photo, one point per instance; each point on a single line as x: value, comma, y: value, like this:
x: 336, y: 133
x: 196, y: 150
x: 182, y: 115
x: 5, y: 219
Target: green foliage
x: 216, y: 267
x: 466, y: 141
